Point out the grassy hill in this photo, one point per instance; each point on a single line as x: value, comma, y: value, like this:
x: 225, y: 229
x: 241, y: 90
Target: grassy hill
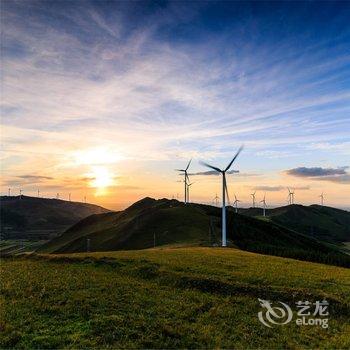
x: 151, y: 222
x: 167, y: 298
x: 322, y: 222
x: 31, y: 217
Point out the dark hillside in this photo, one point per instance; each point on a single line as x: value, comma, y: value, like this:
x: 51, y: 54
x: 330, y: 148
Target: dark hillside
x: 150, y: 223
x: 31, y: 217
x: 321, y: 222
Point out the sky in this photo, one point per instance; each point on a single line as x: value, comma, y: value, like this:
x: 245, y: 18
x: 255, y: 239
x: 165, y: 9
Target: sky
x: 105, y: 99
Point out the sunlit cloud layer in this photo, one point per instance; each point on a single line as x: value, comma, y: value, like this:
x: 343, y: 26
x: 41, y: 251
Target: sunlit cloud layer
x: 123, y: 93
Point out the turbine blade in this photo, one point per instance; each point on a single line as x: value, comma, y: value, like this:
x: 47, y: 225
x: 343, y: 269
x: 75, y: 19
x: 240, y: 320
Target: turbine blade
x: 238, y: 152
x: 179, y: 169
x: 211, y: 167
x: 188, y: 165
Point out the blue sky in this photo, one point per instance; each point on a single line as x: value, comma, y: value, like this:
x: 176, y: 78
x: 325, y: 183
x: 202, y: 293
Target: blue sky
x: 152, y: 84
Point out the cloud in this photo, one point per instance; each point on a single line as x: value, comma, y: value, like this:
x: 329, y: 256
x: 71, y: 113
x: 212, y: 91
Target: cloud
x: 269, y: 188
x: 35, y: 177
x: 213, y: 172
x: 335, y: 175
x: 274, y: 154
x: 87, y: 178
x: 340, y: 179
x: 279, y: 188
x: 301, y: 187
x: 316, y: 171
x: 339, y: 147
x: 90, y: 73
x: 23, y: 180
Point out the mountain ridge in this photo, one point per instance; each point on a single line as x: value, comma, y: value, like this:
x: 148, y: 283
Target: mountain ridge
x: 149, y: 222
x: 31, y: 217
x: 322, y: 222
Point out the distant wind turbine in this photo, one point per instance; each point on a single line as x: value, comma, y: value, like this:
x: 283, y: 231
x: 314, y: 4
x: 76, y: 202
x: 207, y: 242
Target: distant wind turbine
x: 322, y: 198
x: 20, y: 194
x: 235, y: 203
x: 291, y: 196
x: 69, y: 197
x: 216, y: 199
x: 264, y: 204
x: 57, y: 196
x: 38, y: 193
x: 224, y: 192
x: 9, y: 192
x: 184, y: 171
x: 253, y: 198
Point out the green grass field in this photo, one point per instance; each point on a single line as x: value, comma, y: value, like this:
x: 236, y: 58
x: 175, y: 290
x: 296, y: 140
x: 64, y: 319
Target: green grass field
x: 166, y: 298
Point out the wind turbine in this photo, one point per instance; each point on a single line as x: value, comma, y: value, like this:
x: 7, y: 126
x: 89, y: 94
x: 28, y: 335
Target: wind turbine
x: 288, y: 199
x: 224, y: 192
x: 188, y: 191
x: 38, y: 193
x: 215, y: 199
x: 253, y: 197
x: 235, y: 203
x: 9, y: 192
x: 184, y: 171
x: 69, y: 196
x: 322, y: 198
x: 20, y: 194
x: 57, y: 196
x: 291, y: 196
x: 264, y: 204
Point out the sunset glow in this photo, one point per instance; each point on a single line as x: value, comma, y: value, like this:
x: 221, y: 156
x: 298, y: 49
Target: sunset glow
x: 106, y: 103
x: 101, y: 179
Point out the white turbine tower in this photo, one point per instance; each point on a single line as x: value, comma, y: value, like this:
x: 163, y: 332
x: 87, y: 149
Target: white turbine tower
x: 322, y: 198
x: 235, y: 203
x: 264, y: 204
x: 253, y: 198
x: 184, y: 171
x: 224, y: 192
x: 69, y: 196
x: 292, y: 193
x: 20, y: 194
x: 288, y: 199
x: 188, y: 191
x: 9, y: 192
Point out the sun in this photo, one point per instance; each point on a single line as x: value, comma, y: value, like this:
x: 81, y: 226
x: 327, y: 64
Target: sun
x: 101, y: 179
